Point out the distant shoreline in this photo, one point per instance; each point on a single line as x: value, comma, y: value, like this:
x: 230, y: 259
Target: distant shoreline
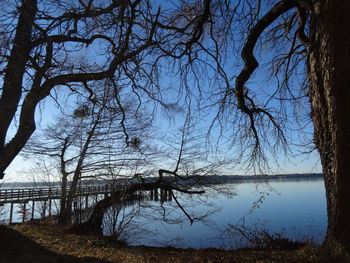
x: 210, y: 179
x: 272, y: 177
x: 243, y: 178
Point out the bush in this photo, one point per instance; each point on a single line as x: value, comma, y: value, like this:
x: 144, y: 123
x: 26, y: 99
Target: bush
x: 263, y: 239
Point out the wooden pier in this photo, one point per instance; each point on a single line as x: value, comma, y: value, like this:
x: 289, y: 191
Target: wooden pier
x: 46, y: 196
x: 24, y: 195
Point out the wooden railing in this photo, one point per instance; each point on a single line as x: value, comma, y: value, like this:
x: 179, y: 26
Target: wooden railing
x: 22, y: 195
x: 46, y: 196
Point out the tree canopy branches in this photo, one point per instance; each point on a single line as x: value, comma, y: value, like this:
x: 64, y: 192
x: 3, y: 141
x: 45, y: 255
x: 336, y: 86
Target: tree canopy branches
x: 139, y: 46
x: 70, y: 44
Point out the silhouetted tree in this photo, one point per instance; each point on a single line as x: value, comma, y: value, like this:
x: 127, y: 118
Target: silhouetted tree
x: 49, y: 46
x: 90, y: 144
x: 311, y: 35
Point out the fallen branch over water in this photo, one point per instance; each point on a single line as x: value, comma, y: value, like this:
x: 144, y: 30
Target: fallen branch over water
x: 94, y: 224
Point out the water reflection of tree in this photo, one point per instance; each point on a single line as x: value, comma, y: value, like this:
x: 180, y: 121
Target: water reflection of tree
x: 118, y: 223
x: 139, y: 220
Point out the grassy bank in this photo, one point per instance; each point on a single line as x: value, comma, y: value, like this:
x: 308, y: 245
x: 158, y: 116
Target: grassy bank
x: 52, y: 243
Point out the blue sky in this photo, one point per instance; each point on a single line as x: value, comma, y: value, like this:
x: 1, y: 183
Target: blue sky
x: 260, y: 84
x: 299, y: 163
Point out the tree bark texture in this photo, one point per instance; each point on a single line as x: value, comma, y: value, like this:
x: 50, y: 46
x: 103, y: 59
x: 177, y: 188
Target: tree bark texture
x: 12, y: 86
x: 329, y: 77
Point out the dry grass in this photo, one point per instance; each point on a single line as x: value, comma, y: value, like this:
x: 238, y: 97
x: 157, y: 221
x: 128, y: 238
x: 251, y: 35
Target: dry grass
x: 56, y: 239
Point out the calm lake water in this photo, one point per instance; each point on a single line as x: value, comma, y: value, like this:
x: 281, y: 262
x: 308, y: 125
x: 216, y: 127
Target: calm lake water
x: 296, y: 208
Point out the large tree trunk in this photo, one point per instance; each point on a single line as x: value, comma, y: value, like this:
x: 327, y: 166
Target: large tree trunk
x: 329, y: 75
x: 11, y: 90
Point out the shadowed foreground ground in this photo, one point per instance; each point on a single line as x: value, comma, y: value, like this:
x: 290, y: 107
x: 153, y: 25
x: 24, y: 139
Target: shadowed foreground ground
x: 36, y: 243
x: 15, y: 247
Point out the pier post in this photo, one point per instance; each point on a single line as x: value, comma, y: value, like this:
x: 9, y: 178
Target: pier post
x: 155, y: 194
x: 50, y: 205
x: 50, y: 200
x: 170, y: 196
x: 33, y: 207
x: 161, y: 195
x: 44, y: 212
x: 11, y: 212
x: 24, y: 212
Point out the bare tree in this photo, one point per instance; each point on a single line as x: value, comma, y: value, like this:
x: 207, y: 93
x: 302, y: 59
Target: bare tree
x: 186, y: 175
x: 90, y: 144
x: 50, y: 48
x: 309, y: 41
x: 49, y: 45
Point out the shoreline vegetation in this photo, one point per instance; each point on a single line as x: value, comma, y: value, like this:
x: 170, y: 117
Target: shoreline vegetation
x: 43, y: 242
x: 201, y: 180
